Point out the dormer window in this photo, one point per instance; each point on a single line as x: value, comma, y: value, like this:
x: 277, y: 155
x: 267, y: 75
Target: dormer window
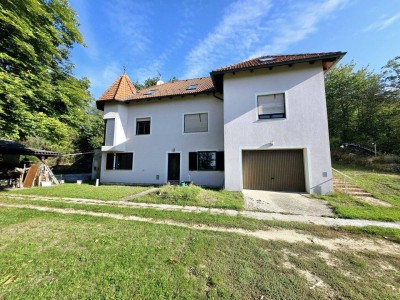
x: 150, y: 92
x: 192, y: 87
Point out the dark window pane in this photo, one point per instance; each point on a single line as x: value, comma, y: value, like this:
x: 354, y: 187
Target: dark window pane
x: 143, y: 126
x: 123, y: 161
x: 110, y: 161
x: 220, y: 161
x: 192, y: 161
x: 207, y: 160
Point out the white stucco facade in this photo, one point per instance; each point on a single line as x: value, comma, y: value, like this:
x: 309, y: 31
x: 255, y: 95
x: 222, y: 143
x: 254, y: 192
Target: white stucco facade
x: 233, y: 126
x: 305, y: 126
x: 150, y: 152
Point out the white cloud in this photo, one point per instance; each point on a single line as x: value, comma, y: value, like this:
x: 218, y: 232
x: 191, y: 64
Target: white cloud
x: 128, y: 20
x: 239, y: 25
x: 382, y: 24
x: 254, y: 28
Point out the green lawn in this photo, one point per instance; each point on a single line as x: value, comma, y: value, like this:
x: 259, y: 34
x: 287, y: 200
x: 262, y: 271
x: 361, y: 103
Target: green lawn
x: 195, y: 196
x: 51, y: 256
x: 87, y: 191
x: 383, y: 186
x: 188, y: 195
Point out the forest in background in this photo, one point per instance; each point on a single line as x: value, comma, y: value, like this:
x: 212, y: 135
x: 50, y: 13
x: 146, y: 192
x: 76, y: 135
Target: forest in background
x: 43, y: 105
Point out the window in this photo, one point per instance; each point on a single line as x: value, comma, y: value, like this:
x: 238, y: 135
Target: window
x: 150, y: 92
x: 196, y: 123
x: 119, y: 161
x: 206, y: 161
x: 142, y: 126
x: 271, y: 106
x: 109, y: 132
x: 192, y: 87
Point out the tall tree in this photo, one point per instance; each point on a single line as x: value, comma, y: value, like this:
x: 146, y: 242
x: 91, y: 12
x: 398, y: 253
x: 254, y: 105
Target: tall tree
x: 363, y: 107
x: 39, y: 96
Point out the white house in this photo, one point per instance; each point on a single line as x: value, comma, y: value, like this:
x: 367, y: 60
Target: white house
x: 259, y: 124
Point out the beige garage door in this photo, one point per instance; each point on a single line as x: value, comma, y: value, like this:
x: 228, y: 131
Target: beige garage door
x: 273, y: 170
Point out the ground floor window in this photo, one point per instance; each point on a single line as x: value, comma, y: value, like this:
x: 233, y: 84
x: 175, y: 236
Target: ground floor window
x: 119, y: 161
x: 206, y: 161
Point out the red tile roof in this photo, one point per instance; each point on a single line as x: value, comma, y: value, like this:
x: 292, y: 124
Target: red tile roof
x: 119, y: 90
x: 176, y: 88
x: 123, y: 90
x: 271, y: 60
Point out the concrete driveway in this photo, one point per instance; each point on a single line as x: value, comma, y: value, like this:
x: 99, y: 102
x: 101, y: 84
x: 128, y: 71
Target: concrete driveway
x: 283, y: 202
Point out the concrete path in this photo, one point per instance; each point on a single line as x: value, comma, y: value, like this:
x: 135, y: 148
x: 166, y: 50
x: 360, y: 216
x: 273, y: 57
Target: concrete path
x: 317, y: 220
x: 130, y: 197
x: 287, y: 203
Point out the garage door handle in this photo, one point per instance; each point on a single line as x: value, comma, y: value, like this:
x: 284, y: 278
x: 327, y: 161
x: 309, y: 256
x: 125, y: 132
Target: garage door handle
x: 272, y: 178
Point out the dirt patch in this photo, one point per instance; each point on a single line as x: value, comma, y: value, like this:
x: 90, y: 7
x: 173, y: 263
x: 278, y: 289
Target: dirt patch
x: 374, y: 201
x: 290, y: 236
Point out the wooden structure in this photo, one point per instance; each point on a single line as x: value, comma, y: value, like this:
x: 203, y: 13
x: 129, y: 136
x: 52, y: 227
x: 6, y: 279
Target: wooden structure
x: 19, y: 173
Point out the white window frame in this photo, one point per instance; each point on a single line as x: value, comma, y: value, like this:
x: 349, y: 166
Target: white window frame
x: 105, y: 131
x: 151, y: 121
x: 195, y: 113
x: 285, y: 93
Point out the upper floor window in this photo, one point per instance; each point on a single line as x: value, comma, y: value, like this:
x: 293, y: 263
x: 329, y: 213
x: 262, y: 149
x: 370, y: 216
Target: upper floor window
x: 196, y: 123
x: 109, y: 132
x: 142, y: 126
x: 271, y: 106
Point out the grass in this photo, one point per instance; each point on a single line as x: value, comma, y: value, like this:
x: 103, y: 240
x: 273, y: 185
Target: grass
x: 195, y: 196
x: 188, y: 195
x: 205, y: 218
x: 383, y: 186
x: 87, y: 191
x: 46, y: 255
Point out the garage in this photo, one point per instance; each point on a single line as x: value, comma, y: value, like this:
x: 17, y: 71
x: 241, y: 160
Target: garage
x: 273, y: 170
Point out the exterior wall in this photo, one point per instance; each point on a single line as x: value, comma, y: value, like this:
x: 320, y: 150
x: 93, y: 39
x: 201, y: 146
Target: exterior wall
x: 305, y: 126
x: 150, y: 152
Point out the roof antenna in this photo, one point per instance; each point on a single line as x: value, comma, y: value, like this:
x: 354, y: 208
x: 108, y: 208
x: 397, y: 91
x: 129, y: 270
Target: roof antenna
x: 124, y: 67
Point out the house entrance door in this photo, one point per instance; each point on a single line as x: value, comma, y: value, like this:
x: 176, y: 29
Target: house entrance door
x: 174, y: 166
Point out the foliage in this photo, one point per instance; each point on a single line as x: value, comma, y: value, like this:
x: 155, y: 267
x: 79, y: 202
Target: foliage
x: 91, y: 131
x: 194, y: 195
x: 364, y: 107
x: 151, y: 81
x: 39, y: 96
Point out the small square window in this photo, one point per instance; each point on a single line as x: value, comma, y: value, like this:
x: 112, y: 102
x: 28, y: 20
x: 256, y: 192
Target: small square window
x: 271, y: 106
x: 142, y: 126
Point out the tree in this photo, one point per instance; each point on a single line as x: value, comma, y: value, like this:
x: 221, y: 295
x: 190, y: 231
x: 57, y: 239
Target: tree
x: 363, y: 107
x: 39, y: 96
x: 151, y: 81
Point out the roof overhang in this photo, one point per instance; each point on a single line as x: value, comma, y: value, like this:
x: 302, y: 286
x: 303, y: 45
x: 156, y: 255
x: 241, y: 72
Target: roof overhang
x: 328, y: 61
x: 11, y: 147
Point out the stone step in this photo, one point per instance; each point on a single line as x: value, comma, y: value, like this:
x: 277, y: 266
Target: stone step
x: 350, y: 189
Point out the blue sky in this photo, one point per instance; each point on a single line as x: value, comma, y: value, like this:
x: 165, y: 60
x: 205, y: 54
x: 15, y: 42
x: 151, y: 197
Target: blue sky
x: 189, y: 39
